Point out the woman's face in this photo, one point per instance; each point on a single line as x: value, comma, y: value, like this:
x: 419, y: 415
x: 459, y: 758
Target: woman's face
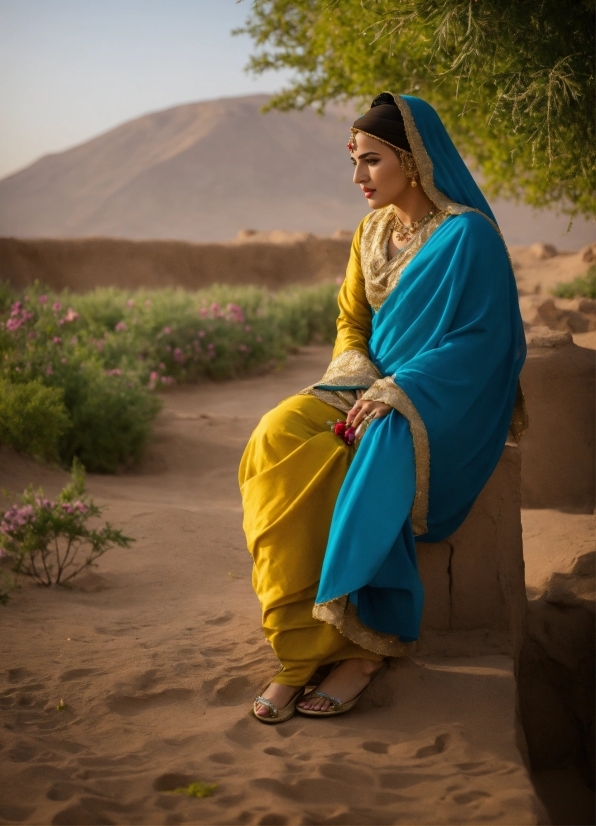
x: 378, y: 172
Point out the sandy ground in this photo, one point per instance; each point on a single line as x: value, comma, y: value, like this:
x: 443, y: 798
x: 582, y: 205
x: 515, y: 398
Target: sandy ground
x: 158, y: 653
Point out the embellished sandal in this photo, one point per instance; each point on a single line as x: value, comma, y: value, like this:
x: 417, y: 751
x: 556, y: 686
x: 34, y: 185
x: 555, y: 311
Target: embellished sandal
x: 336, y: 707
x: 276, y: 715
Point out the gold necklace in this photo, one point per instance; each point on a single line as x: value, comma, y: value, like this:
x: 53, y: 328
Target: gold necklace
x: 405, y: 232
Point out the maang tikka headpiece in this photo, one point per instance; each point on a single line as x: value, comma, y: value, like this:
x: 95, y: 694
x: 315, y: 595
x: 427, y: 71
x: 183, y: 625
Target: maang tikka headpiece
x: 406, y: 158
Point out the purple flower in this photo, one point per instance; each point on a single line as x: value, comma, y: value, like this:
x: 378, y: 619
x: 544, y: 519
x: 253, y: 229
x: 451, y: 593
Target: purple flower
x: 56, y: 306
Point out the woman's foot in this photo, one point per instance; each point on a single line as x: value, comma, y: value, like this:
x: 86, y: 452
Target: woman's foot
x: 344, y: 683
x: 280, y: 695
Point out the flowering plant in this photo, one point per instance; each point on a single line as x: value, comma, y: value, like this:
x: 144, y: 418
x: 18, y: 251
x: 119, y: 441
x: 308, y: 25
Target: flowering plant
x: 344, y: 431
x: 50, y: 541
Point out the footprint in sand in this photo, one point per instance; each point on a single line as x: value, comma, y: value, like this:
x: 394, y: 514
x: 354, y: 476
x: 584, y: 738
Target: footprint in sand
x: 226, y: 758
x: 221, y: 620
x: 376, y: 746
x: 128, y: 705
x: 77, y: 673
x: 437, y: 747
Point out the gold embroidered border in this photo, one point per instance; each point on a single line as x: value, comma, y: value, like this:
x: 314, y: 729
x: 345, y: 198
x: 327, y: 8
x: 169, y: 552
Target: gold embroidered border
x: 381, y: 275
x: 426, y: 170
x: 344, y: 616
x: 387, y: 391
x: 342, y: 400
x: 349, y: 368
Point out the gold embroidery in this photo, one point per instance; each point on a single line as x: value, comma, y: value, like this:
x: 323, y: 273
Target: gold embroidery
x: 425, y: 168
x: 387, y: 391
x: 381, y: 275
x: 342, y: 400
x: 343, y: 615
x: 349, y: 368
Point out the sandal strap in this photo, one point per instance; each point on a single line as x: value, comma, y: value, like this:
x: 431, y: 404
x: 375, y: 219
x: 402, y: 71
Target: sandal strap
x: 333, y: 700
x: 264, y: 702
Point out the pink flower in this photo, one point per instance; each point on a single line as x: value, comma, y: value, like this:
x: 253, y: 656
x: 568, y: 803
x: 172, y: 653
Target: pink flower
x: 56, y: 340
x: 248, y: 328
x: 66, y: 506
x: 167, y: 331
x: 166, y: 380
x: 161, y: 365
x: 74, y: 340
x: 243, y: 348
x: 25, y: 298
x: 63, y: 361
x: 201, y: 333
x: 235, y: 313
x: 80, y: 506
x: 100, y: 346
x: 178, y: 355
x: 130, y: 303
x: 259, y: 339
x: 70, y: 316
x: 203, y: 312
x: 43, y: 299
x: 115, y: 372
x: 153, y: 375
x: 56, y: 306
x: 120, y: 327
x: 49, y: 370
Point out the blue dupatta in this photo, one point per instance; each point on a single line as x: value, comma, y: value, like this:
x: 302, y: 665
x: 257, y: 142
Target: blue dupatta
x: 448, y: 344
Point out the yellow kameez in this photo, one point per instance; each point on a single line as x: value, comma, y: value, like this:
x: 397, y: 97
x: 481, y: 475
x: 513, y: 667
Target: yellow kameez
x: 290, y: 476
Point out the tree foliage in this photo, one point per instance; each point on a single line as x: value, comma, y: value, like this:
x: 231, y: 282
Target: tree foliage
x: 513, y: 80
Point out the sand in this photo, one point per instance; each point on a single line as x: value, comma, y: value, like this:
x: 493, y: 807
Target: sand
x: 158, y: 653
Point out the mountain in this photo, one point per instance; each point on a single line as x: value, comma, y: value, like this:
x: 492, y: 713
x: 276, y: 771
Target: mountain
x: 204, y: 171
x: 198, y: 172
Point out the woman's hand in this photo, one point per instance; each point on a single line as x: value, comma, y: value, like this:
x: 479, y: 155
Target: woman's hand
x: 364, y: 408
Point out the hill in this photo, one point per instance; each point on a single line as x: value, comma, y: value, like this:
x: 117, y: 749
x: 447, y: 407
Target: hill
x: 204, y: 171
x: 198, y: 172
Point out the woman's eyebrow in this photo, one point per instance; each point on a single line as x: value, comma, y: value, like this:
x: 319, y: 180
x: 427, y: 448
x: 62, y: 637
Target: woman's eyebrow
x: 366, y: 154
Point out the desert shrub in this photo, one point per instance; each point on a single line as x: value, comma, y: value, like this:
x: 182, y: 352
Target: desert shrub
x: 33, y: 418
x: 584, y: 286
x: 109, y: 349
x: 51, y: 542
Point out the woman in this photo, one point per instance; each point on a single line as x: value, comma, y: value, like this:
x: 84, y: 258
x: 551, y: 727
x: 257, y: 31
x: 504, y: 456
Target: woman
x: 429, y: 348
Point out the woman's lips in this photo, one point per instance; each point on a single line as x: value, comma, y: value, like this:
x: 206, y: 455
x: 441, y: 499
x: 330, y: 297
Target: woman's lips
x: 367, y: 192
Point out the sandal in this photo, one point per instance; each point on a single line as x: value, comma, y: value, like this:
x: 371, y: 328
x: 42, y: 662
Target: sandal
x: 276, y: 715
x: 337, y: 707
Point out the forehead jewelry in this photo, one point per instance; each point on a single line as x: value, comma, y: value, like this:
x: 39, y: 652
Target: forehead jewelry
x: 406, y: 158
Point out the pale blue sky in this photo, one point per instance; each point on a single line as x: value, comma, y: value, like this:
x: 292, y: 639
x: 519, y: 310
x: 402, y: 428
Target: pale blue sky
x: 71, y: 69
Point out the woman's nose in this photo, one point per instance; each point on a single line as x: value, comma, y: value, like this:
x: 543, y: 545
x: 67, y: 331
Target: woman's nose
x: 360, y: 174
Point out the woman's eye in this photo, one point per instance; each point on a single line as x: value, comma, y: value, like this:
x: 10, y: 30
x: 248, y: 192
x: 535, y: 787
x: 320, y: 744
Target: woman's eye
x: 371, y: 161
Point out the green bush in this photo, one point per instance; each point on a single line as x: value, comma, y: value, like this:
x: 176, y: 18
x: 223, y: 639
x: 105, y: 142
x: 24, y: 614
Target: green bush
x: 50, y: 541
x: 109, y: 350
x: 33, y: 418
x: 584, y: 286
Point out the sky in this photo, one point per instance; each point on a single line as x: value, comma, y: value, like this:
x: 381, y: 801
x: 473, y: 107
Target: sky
x: 72, y: 69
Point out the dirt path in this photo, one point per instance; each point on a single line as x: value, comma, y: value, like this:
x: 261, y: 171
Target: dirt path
x: 158, y: 654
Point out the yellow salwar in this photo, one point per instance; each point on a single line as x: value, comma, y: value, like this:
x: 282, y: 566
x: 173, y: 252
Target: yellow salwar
x: 290, y: 476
